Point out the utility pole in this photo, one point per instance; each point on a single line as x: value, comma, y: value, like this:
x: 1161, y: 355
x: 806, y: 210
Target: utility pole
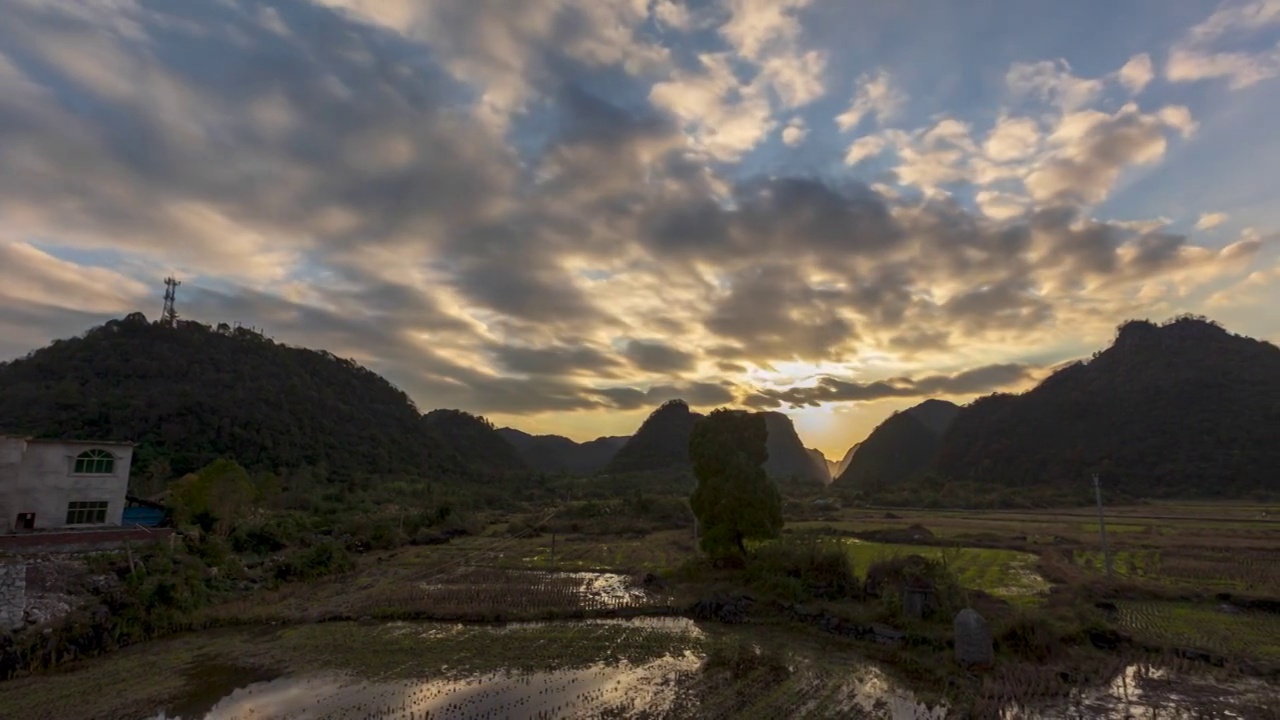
x: 1102, y: 525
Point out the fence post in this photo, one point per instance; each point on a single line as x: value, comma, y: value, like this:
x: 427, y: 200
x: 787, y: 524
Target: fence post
x: 1102, y: 525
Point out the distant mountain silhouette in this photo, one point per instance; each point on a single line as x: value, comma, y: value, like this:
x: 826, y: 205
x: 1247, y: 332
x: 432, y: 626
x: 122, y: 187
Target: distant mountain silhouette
x: 661, y: 442
x: 487, y: 450
x: 822, y: 462
x: 901, y: 447
x: 190, y: 394
x: 789, y: 460
x: 559, y: 455
x: 837, y: 466
x: 1184, y: 408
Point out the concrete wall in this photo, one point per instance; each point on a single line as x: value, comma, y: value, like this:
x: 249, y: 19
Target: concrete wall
x: 43, y: 481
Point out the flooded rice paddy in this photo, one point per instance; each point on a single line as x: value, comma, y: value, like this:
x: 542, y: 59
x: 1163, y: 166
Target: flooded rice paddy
x: 607, y: 677
x: 534, y: 591
x: 593, y: 691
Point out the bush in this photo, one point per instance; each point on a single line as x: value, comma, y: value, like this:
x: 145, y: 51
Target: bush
x: 262, y: 538
x: 888, y: 578
x: 325, y: 558
x: 743, y: 659
x: 801, y: 570
x: 1030, y: 637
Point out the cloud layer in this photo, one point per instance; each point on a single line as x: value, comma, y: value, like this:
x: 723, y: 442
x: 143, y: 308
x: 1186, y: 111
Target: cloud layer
x: 573, y: 206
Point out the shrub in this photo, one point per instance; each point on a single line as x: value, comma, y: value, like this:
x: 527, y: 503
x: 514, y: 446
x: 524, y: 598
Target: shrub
x: 743, y: 659
x: 803, y: 569
x: 325, y: 558
x: 1031, y: 637
x: 261, y: 539
x: 888, y: 578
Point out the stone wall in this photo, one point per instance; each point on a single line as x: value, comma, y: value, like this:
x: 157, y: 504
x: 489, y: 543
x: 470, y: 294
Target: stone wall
x: 13, y: 596
x: 80, y: 541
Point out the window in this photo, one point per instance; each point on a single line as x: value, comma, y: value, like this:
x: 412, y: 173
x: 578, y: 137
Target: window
x: 95, y: 462
x: 86, y: 513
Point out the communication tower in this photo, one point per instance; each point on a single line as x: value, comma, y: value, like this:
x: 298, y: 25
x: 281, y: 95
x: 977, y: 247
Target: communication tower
x: 170, y: 315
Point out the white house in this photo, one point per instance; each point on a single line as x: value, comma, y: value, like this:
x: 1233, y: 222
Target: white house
x: 53, y: 484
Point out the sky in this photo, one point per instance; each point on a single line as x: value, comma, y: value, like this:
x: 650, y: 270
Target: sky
x: 561, y: 213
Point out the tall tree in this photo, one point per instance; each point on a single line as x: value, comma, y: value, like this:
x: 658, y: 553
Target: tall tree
x: 735, y: 500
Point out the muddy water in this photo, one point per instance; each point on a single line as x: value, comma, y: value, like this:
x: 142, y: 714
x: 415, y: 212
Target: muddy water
x: 674, y: 685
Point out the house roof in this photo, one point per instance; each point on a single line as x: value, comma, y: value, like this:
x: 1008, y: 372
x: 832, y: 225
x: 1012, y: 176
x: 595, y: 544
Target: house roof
x: 56, y: 441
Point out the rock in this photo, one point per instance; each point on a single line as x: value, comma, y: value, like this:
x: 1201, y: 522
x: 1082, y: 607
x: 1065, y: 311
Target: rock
x: 886, y: 635
x: 725, y: 609
x: 804, y: 612
x: 653, y: 582
x: 1106, y: 639
x: 918, y: 602
x: 973, y: 639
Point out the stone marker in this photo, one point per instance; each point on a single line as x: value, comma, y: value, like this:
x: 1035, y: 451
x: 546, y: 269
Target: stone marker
x: 917, y: 602
x: 973, y: 639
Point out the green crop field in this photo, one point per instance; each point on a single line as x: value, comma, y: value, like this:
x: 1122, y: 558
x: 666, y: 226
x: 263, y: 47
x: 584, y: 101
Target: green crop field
x: 1204, y: 626
x: 1004, y: 573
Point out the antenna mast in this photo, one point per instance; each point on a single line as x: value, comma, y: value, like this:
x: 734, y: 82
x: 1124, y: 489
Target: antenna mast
x: 170, y: 316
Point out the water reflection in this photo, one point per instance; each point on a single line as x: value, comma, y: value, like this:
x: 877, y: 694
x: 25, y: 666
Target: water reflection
x: 677, y: 685
x: 1147, y: 692
x: 615, y: 690
x: 500, y: 590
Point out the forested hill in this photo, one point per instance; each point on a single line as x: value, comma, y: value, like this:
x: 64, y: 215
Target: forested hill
x: 901, y: 447
x: 789, y: 460
x: 190, y: 394
x: 482, y: 446
x: 661, y: 443
x: 560, y: 455
x: 1184, y: 408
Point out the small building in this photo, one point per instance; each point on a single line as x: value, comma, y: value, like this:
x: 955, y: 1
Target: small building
x: 59, y: 484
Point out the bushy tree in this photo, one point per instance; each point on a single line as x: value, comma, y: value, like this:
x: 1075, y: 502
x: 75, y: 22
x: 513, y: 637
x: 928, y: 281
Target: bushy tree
x: 735, y: 500
x: 215, y: 496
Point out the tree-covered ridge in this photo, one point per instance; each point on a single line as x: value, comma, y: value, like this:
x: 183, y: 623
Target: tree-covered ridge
x: 556, y: 454
x: 789, y: 460
x: 1184, y: 408
x: 902, y: 446
x: 661, y: 443
x: 476, y: 441
x: 190, y: 394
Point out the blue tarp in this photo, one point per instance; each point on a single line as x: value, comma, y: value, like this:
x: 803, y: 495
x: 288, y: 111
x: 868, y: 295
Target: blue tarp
x: 145, y: 516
